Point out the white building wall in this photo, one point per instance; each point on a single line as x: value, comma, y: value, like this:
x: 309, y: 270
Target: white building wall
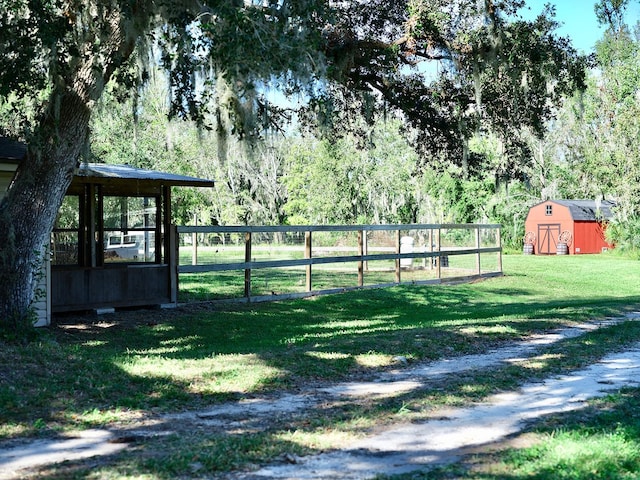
x: 42, y: 303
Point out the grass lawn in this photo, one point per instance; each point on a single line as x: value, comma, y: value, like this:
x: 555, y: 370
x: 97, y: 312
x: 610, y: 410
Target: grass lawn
x: 113, y: 369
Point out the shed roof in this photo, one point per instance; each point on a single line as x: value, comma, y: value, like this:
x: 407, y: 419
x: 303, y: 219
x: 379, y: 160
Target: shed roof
x: 11, y: 152
x: 588, y: 210
x: 103, y: 173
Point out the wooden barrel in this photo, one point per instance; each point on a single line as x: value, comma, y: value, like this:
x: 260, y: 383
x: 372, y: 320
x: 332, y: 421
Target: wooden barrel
x: 527, y: 249
x: 562, y: 249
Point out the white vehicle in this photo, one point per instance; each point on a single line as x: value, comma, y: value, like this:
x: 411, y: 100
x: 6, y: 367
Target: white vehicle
x: 131, y: 246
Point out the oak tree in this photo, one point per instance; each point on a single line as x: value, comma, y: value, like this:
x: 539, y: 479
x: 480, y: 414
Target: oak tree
x: 455, y: 69
x: 58, y: 55
x: 494, y: 71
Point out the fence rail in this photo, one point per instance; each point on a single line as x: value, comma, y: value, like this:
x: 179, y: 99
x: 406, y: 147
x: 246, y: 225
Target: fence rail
x: 413, y: 253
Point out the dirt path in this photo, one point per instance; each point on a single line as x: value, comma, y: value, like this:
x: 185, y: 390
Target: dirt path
x: 410, y: 447
x: 400, y: 449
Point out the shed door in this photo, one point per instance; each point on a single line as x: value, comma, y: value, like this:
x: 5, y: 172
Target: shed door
x: 548, y: 238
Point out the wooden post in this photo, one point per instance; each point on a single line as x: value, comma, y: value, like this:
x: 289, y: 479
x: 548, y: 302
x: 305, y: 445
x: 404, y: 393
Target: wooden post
x: 307, y: 254
x: 194, y: 242
x: 163, y: 225
x: 156, y: 219
x: 172, y: 257
x: 478, y: 266
x: 87, y: 237
x: 499, y: 242
x: 365, y: 249
x: 99, y: 219
x: 361, y: 243
x: 398, y: 259
x: 247, y: 259
x: 439, y: 261
x: 431, y: 259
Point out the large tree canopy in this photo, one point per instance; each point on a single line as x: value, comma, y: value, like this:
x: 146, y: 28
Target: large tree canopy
x: 452, y: 68
x: 56, y: 56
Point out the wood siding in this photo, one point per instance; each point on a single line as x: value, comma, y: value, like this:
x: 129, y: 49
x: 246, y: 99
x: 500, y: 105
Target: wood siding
x: 42, y: 301
x: 93, y: 288
x: 547, y: 228
x: 587, y: 236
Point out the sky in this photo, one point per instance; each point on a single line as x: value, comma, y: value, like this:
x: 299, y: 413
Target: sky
x: 579, y: 19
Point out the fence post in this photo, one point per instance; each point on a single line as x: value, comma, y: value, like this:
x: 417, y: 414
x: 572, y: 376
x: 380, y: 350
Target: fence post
x: 194, y: 243
x: 439, y: 261
x: 478, y: 266
x: 307, y: 254
x: 398, y: 259
x: 424, y: 251
x: 361, y: 246
x: 365, y: 247
x: 499, y: 241
x: 174, y: 260
x: 431, y: 261
x: 247, y: 259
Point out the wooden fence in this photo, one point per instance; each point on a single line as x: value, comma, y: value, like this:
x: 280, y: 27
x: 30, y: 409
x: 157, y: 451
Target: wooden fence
x: 415, y: 253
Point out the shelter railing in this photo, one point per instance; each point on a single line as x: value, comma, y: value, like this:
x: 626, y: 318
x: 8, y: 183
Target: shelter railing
x: 258, y: 263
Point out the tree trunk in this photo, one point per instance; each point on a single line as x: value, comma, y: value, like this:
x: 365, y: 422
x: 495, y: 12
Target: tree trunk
x: 28, y: 212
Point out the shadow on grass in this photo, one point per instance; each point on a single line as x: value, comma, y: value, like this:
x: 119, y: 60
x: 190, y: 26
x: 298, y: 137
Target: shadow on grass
x: 601, y: 441
x: 89, y: 374
x: 183, y: 454
x: 167, y: 359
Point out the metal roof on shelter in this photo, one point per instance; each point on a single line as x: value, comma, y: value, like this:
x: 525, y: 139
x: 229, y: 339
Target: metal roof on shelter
x: 104, y: 173
x: 588, y: 210
x: 11, y: 152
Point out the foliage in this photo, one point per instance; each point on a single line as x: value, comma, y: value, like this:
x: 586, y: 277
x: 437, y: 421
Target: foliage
x: 495, y: 74
x: 498, y: 74
x: 337, y: 182
x: 375, y: 181
x: 611, y: 13
x: 305, y: 180
x: 625, y: 236
x: 137, y: 132
x: 590, y: 150
x: 371, y: 179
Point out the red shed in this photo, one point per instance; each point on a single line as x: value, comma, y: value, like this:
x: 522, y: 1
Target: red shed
x: 578, y: 223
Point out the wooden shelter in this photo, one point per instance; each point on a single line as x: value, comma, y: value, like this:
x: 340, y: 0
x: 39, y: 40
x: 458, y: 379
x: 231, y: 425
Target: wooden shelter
x: 568, y: 226
x: 113, y: 243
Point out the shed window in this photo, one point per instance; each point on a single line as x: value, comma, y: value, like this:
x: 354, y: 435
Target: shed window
x: 65, y: 237
x: 130, y: 227
x: 549, y: 210
x: 92, y: 230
